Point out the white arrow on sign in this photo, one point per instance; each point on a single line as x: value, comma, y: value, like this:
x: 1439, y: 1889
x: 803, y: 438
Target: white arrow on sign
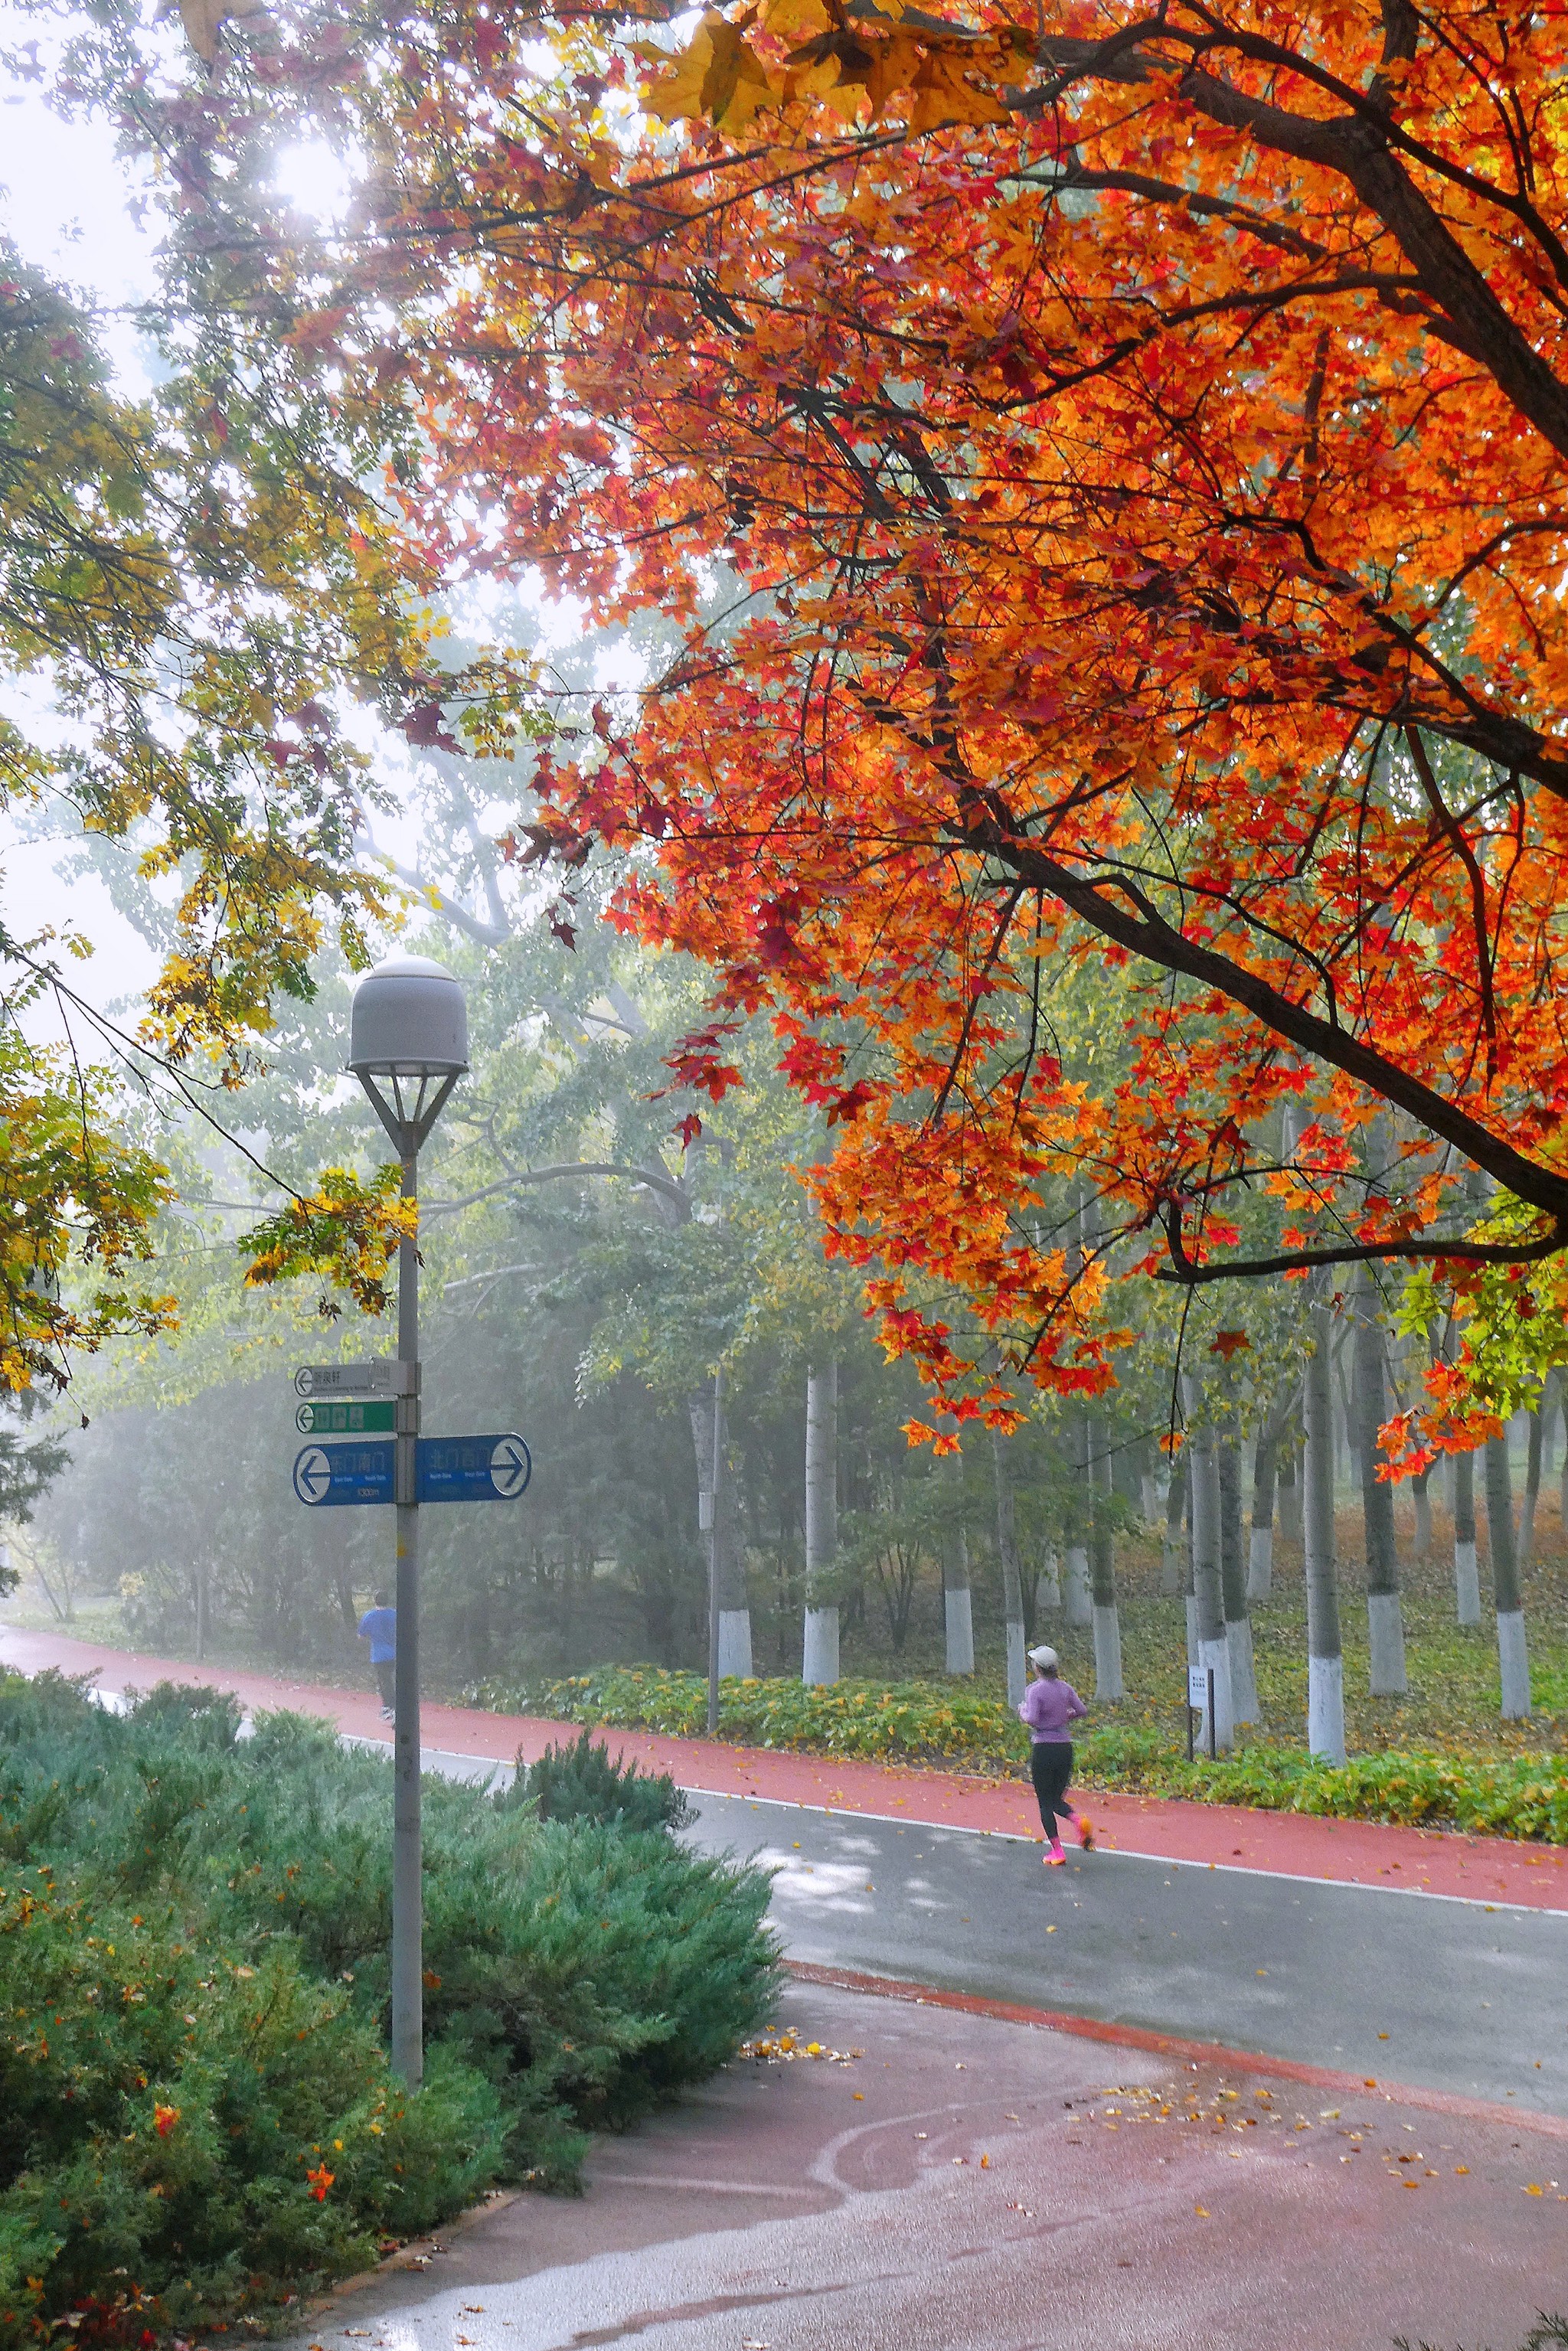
x: 312, y: 1474
x: 510, y: 1468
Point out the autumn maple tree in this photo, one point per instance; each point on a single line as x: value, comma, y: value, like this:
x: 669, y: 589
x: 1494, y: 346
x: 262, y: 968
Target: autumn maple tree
x: 1105, y: 463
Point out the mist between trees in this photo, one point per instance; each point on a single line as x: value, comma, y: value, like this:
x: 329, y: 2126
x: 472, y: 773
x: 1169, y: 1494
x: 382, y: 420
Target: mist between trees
x: 585, y: 1273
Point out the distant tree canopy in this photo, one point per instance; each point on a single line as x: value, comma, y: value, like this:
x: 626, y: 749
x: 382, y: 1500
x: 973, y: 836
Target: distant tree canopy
x: 202, y: 606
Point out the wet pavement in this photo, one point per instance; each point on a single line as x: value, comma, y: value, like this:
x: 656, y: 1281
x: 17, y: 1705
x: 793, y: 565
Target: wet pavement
x: 936, y: 2179
x: 1449, y: 1995
x: 960, y: 2184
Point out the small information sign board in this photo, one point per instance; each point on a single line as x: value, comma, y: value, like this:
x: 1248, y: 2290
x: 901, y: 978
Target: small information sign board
x: 385, y: 1377
x: 345, y: 1418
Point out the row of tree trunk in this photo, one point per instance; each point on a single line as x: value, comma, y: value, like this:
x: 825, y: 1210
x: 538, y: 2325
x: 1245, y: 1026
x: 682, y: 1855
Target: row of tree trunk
x: 1222, y: 1582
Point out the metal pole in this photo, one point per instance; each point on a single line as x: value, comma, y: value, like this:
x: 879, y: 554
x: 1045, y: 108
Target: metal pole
x: 713, y: 1556
x: 407, y: 1951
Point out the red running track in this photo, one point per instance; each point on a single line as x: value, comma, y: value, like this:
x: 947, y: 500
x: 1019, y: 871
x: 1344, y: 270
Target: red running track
x: 1223, y: 1837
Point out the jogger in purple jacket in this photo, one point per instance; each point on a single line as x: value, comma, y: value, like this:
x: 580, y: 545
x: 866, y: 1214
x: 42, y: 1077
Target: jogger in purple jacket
x: 1049, y: 1705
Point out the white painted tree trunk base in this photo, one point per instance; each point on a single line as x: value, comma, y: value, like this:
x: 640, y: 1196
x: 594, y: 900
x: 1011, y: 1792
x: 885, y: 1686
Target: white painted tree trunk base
x: 1466, y: 1583
x: 1108, y: 1682
x: 1017, y: 1672
x: 1385, y: 1636
x: 1326, y: 1709
x: 1260, y: 1565
x: 820, y: 1663
x: 1192, y: 1641
x: 1215, y: 1656
x: 959, y: 1620
x: 735, y: 1645
x: 1080, y: 1602
x: 1513, y: 1661
x: 1243, y: 1677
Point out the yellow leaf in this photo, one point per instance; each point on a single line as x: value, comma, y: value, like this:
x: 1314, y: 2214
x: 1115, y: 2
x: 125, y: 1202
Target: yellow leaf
x: 735, y: 84
x: 204, y: 19
x: 942, y: 95
x: 677, y: 96
x: 795, y: 20
x: 895, y: 65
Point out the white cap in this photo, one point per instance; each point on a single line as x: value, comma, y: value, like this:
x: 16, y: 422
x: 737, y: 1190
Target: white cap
x: 1043, y: 1656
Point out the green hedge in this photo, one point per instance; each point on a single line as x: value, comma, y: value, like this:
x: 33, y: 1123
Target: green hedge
x: 196, y: 2116
x: 897, y: 1721
x: 926, y: 1722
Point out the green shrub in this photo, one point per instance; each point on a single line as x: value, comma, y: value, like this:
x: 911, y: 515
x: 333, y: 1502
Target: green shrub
x: 197, y: 2115
x: 927, y: 1722
x: 582, y: 1783
x: 910, y: 1722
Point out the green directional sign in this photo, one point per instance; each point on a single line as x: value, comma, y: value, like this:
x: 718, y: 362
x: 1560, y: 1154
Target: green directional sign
x: 343, y: 1419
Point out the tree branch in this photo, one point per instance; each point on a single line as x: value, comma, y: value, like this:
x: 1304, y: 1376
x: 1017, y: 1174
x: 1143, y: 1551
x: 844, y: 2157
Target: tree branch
x: 1183, y: 1270
x: 1143, y: 931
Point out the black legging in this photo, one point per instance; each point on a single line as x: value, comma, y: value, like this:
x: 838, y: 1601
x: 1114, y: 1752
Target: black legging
x: 1051, y: 1768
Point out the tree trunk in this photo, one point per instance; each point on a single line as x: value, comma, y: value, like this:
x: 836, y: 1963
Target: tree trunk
x: 1265, y: 1469
x: 1108, y: 1682
x: 1012, y: 1579
x: 1467, y: 1578
x: 1260, y: 1545
x: 819, y: 1662
x: 1385, y: 1621
x: 1420, y: 1494
x: 1209, y: 1592
x: 1047, y: 1585
x: 1289, y: 1496
x: 1080, y: 1600
x: 1233, y: 1575
x: 729, y: 1540
x: 1533, y: 1462
x: 1172, y: 1551
x: 957, y: 1607
x: 1326, y: 1655
x: 1512, y: 1652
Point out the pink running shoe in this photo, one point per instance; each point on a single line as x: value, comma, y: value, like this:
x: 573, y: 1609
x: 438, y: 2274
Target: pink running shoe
x: 1085, y: 1833
x: 1055, y: 1858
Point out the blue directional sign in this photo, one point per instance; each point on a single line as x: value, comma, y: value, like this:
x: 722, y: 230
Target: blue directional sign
x: 450, y: 1469
x: 331, y: 1477
x: 473, y: 1469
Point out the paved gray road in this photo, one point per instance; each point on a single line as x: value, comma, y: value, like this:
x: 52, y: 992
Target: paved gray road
x: 1411, y: 1988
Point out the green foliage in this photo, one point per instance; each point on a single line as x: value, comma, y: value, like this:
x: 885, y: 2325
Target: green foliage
x: 922, y: 1722
x: 197, y: 2115
x: 582, y: 1783
x: 1516, y: 1796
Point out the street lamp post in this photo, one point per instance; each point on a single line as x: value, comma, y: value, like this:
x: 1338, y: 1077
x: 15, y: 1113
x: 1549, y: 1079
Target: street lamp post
x: 408, y: 1046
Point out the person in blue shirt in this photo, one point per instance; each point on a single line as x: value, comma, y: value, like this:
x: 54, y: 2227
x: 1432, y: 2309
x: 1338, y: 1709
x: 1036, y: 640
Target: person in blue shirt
x: 378, y: 1626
